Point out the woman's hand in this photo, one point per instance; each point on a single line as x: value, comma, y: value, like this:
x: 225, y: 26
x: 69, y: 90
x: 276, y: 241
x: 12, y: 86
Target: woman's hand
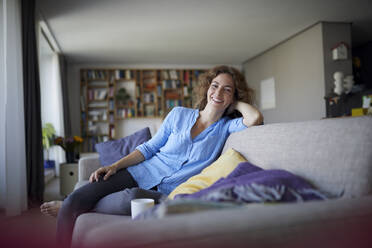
x: 132, y: 158
x: 107, y: 171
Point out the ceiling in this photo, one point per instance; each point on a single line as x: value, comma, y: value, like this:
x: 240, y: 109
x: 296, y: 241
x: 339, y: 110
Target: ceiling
x: 189, y: 31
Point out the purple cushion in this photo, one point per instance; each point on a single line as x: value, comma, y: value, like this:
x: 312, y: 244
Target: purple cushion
x: 113, y: 150
x: 245, y: 175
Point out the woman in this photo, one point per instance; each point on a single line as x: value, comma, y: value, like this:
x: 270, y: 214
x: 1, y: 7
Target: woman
x: 187, y: 142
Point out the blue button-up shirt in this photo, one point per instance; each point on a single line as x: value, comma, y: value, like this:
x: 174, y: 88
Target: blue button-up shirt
x: 172, y: 156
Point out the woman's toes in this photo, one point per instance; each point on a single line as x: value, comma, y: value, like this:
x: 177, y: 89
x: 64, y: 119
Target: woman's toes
x: 51, y: 208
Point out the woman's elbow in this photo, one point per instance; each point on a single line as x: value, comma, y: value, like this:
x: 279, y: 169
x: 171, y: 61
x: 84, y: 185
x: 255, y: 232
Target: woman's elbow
x: 256, y: 119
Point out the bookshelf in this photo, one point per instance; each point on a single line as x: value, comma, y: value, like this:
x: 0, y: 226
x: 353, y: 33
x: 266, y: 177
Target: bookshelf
x: 108, y: 96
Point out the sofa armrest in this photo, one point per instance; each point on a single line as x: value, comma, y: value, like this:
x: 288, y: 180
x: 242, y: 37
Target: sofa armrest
x: 87, y: 165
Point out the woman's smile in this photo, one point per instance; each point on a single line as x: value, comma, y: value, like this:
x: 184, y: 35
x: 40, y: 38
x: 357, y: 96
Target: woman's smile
x: 221, y: 91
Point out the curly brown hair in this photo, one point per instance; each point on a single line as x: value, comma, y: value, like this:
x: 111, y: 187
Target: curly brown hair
x: 242, y: 91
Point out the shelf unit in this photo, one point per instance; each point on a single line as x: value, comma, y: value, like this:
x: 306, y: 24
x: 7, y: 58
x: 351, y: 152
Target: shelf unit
x: 153, y: 93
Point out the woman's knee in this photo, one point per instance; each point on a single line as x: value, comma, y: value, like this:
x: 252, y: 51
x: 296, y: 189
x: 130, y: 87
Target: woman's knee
x: 135, y: 193
x: 73, y: 201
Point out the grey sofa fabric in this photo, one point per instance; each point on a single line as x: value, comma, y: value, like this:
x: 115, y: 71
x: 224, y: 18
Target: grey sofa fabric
x: 334, y: 154
x: 87, y: 165
x: 307, y: 224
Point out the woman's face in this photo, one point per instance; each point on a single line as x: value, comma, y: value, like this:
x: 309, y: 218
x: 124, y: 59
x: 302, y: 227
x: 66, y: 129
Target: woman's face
x: 221, y: 92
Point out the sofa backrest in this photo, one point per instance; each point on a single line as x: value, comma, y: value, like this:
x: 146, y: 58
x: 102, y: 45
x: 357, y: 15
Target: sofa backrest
x: 335, y: 155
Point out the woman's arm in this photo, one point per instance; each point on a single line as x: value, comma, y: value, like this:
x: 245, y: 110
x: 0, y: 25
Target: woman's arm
x: 142, y: 152
x: 251, y: 115
x: 132, y: 158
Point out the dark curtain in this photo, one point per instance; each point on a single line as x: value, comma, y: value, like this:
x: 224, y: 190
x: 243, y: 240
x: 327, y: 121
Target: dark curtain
x: 32, y: 106
x: 66, y: 109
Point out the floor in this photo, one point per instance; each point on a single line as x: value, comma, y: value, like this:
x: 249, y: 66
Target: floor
x: 31, y: 228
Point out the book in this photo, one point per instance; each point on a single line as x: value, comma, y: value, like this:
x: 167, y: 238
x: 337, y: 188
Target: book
x: 171, y: 84
x: 165, y: 75
x: 100, y: 94
x: 186, y: 76
x: 159, y: 89
x: 172, y: 95
x: 149, y: 110
x: 128, y: 74
x: 185, y: 91
x: 173, y: 74
x: 149, y: 97
x: 82, y: 103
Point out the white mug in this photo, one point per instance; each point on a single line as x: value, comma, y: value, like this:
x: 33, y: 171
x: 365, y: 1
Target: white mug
x: 140, y: 205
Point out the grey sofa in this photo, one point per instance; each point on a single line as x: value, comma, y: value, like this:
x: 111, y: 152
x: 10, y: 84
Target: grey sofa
x: 335, y: 155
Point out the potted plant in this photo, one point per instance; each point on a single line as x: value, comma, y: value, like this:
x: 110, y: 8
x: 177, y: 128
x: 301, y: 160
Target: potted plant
x: 70, y: 145
x: 48, y: 132
x: 122, y: 96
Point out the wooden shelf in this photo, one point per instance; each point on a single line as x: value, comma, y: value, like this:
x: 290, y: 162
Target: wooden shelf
x: 149, y: 84
x: 97, y: 87
x: 98, y: 121
x: 96, y: 100
x: 97, y: 107
x: 125, y: 106
x: 125, y: 118
x: 96, y: 79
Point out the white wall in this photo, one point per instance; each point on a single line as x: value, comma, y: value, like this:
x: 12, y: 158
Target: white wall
x: 12, y: 134
x: 297, y: 66
x: 2, y: 110
x: 51, y: 97
x: 126, y: 127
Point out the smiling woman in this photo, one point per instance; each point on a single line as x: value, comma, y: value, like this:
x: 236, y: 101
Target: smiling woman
x: 187, y: 141
x: 241, y: 91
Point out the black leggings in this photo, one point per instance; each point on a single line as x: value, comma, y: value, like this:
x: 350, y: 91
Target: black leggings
x: 84, y: 199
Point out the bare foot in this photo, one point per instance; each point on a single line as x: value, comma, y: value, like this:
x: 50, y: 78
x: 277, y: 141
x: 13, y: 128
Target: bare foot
x: 51, y: 208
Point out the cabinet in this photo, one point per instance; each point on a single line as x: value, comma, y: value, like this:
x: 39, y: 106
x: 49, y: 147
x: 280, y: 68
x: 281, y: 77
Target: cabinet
x: 68, y: 178
x: 337, y: 106
x: 110, y: 95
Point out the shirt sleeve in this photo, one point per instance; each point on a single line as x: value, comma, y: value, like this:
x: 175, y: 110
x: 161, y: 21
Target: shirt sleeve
x: 236, y: 125
x: 152, y: 146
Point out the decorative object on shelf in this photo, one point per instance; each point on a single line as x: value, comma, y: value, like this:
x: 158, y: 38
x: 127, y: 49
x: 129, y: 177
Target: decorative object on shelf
x: 48, y: 133
x: 358, y: 112
x: 338, y: 76
x: 367, y: 100
x: 70, y: 145
x: 333, y: 99
x: 340, y: 51
x: 369, y: 111
x: 348, y: 83
x: 122, y: 96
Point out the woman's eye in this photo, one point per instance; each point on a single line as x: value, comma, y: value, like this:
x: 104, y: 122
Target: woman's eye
x: 228, y: 90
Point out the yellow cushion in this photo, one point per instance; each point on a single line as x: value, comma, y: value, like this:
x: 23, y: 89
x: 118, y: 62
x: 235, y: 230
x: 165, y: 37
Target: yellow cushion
x: 222, y: 167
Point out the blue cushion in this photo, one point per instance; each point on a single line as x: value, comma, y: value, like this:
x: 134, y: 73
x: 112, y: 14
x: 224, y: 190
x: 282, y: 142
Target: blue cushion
x: 113, y: 150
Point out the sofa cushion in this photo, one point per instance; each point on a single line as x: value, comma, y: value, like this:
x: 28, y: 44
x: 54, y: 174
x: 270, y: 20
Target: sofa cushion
x: 333, y: 154
x: 222, y: 167
x: 120, y: 202
x: 245, y: 185
x: 113, y: 150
